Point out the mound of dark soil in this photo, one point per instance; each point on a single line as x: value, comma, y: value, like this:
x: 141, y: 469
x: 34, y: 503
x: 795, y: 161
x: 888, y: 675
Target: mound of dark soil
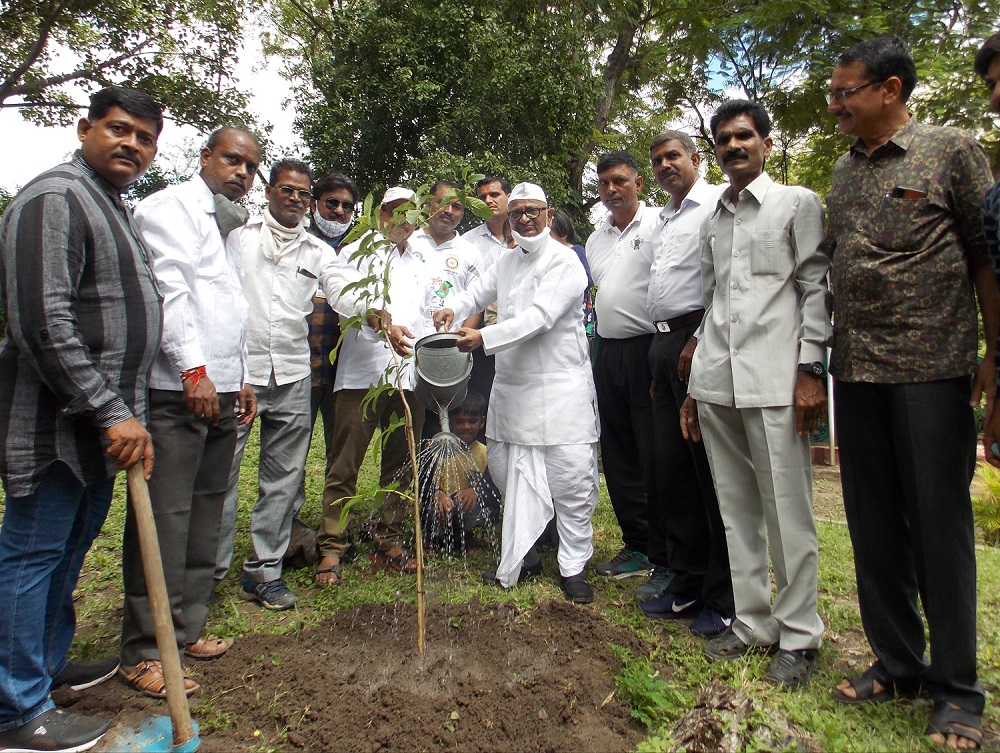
x: 491, y: 679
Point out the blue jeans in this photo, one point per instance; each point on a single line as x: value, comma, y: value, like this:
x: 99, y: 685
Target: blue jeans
x: 43, y: 540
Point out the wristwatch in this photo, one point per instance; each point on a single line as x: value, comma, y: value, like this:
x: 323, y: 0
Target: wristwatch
x: 815, y: 369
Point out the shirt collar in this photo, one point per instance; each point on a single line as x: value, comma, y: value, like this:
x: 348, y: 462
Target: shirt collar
x: 609, y: 220
x: 105, y: 185
x: 901, y: 139
x: 700, y: 193
x: 758, y: 189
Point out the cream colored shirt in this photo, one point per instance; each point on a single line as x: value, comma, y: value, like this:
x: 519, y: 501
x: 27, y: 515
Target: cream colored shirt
x: 767, y: 303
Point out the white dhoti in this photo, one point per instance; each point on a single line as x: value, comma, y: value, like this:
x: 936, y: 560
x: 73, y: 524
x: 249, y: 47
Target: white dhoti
x: 536, y: 482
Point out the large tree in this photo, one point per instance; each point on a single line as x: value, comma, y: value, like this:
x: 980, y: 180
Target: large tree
x: 391, y: 92
x: 180, y: 51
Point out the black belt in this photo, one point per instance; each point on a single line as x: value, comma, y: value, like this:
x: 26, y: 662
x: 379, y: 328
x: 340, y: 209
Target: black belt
x: 684, y: 320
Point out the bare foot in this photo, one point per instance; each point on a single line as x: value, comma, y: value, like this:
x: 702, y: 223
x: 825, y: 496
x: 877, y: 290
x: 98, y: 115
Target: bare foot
x: 847, y: 689
x: 954, y: 741
x: 327, y: 572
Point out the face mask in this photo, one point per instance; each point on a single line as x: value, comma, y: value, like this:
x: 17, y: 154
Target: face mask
x: 533, y: 243
x: 229, y: 216
x: 329, y: 228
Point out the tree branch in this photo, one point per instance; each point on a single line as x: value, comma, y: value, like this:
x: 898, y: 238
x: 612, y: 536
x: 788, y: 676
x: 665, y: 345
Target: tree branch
x: 8, y: 87
x: 82, y: 73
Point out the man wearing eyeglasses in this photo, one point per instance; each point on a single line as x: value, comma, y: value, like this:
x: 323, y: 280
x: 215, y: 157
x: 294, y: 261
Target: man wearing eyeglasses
x: 197, y: 396
x: 283, y: 264
x: 907, y: 249
x: 542, y: 425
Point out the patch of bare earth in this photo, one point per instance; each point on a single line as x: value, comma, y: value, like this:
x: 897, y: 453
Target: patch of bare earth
x: 491, y: 679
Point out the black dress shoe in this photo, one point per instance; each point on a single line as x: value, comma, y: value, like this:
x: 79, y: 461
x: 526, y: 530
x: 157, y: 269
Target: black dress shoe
x: 577, y: 589
x: 527, y: 572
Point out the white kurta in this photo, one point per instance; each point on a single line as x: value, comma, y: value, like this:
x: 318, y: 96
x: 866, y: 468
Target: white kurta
x: 364, y: 358
x: 542, y: 423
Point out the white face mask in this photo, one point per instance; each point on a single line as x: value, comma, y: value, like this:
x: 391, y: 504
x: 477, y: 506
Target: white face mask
x: 329, y: 228
x: 533, y: 243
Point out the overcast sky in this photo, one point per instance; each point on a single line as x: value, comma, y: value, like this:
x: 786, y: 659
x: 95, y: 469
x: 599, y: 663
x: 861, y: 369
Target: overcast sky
x: 28, y: 149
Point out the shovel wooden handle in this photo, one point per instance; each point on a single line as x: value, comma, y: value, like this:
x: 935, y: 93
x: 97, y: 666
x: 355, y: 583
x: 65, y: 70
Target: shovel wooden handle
x: 159, y: 605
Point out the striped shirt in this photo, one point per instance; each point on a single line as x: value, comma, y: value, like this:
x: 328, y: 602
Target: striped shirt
x: 84, y: 319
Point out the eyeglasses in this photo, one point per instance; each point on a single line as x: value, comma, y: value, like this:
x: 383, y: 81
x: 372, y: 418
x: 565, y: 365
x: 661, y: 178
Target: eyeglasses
x: 332, y: 204
x: 842, y: 95
x: 529, y: 213
x: 302, y: 194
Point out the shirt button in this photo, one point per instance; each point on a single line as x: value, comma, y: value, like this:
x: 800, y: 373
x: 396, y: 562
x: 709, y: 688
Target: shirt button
x: 733, y: 318
x: 736, y: 253
x: 735, y: 353
x: 738, y: 221
x: 854, y: 331
x: 736, y: 286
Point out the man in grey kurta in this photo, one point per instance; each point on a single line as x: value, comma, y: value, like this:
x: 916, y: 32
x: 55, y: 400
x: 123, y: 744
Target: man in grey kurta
x: 757, y: 378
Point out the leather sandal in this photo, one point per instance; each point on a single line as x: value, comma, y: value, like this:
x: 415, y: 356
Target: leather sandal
x: 395, y: 561
x: 146, y: 677
x: 949, y: 719
x: 208, y: 647
x: 334, y: 570
x: 864, y: 688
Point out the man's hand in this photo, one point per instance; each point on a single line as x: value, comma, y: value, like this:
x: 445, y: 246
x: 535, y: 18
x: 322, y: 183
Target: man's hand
x: 398, y: 335
x: 379, y: 319
x: 690, y: 427
x: 130, y: 443
x: 684, y: 360
x: 246, y: 406
x: 203, y: 400
x: 984, y: 383
x: 443, y: 319
x: 470, y: 339
x: 467, y: 498
x: 810, y: 403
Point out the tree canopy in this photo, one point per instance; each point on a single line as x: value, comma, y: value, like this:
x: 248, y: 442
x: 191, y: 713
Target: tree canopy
x: 182, y: 52
x: 389, y: 92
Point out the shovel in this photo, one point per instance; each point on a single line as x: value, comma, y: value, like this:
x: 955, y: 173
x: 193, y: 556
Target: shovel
x: 153, y: 735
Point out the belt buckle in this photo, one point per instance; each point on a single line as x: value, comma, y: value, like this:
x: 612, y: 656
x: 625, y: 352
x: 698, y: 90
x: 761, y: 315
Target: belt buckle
x: 663, y: 326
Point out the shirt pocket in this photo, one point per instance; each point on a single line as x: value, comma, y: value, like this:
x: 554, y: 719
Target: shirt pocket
x: 683, y: 251
x: 904, y: 226
x: 769, y: 254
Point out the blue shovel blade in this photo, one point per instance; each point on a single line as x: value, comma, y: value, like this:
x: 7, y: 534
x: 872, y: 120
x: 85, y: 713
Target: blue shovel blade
x: 155, y: 735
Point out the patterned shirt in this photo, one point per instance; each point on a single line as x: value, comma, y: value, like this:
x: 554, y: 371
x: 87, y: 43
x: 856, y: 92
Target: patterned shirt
x: 991, y: 229
x: 84, y: 319
x: 903, y: 224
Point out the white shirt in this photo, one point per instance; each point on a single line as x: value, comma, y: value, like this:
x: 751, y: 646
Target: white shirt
x: 767, y: 305
x: 619, y: 263
x: 543, y: 393
x: 204, y: 311
x: 364, y: 356
x: 452, y: 266
x: 490, y: 247
x: 675, y: 277
x: 280, y: 297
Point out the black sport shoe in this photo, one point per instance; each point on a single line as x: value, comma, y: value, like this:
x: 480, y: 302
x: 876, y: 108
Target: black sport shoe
x: 792, y: 669
x: 82, y: 675
x: 55, y: 731
x: 577, y: 589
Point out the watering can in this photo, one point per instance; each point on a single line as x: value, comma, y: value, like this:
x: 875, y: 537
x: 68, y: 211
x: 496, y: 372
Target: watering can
x: 442, y: 376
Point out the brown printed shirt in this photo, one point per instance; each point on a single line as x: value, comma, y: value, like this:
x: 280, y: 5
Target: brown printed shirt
x: 903, y: 224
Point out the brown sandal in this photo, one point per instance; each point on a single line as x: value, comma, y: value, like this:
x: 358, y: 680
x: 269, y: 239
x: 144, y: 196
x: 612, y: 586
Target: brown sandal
x: 146, y: 677
x: 335, y: 570
x: 208, y: 647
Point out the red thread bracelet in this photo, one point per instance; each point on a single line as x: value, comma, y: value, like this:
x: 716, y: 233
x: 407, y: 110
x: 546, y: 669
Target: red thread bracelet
x: 194, y: 375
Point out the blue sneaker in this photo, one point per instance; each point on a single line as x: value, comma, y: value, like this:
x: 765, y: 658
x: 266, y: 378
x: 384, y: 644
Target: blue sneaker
x: 273, y: 594
x: 670, y: 607
x: 625, y: 564
x: 710, y: 623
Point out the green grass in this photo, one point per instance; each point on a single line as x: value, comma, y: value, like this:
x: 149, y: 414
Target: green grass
x: 660, y: 684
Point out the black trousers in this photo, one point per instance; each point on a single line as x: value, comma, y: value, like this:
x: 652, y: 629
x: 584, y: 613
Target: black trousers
x: 907, y: 454
x: 686, y: 532
x: 622, y: 378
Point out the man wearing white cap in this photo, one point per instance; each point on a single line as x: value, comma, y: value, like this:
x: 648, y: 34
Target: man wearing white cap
x: 363, y: 361
x: 542, y: 426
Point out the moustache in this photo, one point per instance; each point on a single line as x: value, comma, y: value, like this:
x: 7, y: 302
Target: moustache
x: 668, y: 173
x: 738, y: 154
x: 125, y: 155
